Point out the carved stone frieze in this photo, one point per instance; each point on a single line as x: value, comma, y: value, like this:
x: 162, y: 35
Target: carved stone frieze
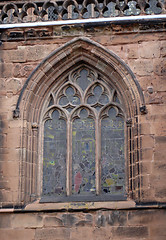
x: 39, y: 11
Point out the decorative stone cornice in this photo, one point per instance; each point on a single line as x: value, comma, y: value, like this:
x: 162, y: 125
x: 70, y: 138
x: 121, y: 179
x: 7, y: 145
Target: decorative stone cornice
x: 57, y: 10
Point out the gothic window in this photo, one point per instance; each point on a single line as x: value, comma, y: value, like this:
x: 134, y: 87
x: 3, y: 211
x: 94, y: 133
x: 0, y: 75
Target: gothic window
x: 83, y: 140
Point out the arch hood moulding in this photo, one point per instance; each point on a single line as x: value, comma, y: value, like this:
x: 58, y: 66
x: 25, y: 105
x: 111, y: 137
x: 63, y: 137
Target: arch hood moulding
x: 57, y: 64
x: 50, y: 74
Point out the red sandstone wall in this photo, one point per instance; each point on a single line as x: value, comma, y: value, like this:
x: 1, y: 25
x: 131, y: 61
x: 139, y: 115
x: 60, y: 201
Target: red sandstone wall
x: 100, y: 225
x: 144, y: 50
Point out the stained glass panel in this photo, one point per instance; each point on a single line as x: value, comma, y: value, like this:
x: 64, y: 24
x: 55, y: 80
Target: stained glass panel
x: 69, y: 98
x: 84, y: 80
x: 112, y: 154
x: 54, y: 156
x: 97, y: 97
x: 51, y: 101
x: 83, y: 155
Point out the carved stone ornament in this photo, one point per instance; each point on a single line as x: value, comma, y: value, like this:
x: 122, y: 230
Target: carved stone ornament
x: 23, y: 12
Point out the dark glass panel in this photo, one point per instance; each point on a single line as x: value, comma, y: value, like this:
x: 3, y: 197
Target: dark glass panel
x: 69, y: 98
x: 103, y: 99
x: 83, y: 155
x: 117, y: 100
x: 98, y: 108
x: 51, y: 102
x: 54, y: 156
x: 97, y: 90
x: 69, y: 92
x: 112, y: 155
x: 75, y: 100
x: 98, y: 97
x: 83, y: 81
x: 91, y: 100
x: 63, y: 101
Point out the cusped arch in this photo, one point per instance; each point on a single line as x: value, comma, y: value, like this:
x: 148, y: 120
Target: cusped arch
x: 72, y: 54
x: 50, y: 74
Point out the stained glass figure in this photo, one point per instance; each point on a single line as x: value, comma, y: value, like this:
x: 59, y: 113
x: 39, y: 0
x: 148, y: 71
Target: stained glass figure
x: 54, y: 156
x: 83, y: 154
x: 112, y: 154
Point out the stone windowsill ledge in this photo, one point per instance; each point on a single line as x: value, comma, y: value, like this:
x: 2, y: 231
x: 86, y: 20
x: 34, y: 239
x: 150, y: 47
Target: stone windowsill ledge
x: 36, y: 206
x: 85, y: 206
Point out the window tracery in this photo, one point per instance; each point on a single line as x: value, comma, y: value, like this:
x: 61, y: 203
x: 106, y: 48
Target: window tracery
x: 83, y: 144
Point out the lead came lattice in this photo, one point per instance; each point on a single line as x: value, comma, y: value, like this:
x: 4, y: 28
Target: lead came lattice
x: 91, y: 159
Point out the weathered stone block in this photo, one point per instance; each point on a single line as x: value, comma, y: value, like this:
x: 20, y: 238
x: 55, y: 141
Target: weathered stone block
x: 53, y: 234
x: 28, y: 220
x: 131, y: 232
x: 13, y: 85
x: 5, y: 220
x: 68, y: 219
x: 6, y: 70
x: 14, y: 56
x: 132, y: 51
x: 141, y: 67
x: 81, y: 233
x: 117, y: 218
x: 102, y: 234
x: 101, y: 220
x: 52, y: 222
x: 157, y: 232
x: 150, y: 49
x: 147, y: 141
x: 17, y: 234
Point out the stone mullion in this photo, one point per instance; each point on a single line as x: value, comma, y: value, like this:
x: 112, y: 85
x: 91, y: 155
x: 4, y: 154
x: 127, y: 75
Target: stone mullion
x: 98, y: 156
x: 69, y: 159
x: 34, y: 160
x: 130, y: 156
x: 28, y: 165
x: 133, y: 177
x: 137, y: 147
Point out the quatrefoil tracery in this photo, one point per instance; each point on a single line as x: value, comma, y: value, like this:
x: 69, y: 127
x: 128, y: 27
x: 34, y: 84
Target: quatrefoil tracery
x: 83, y: 87
x: 97, y: 96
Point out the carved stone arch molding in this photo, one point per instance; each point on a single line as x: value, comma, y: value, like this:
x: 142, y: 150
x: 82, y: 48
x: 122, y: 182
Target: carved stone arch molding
x: 51, y: 72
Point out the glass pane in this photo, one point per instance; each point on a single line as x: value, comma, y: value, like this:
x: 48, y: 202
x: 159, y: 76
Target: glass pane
x: 103, y: 99
x: 51, y: 101
x: 63, y: 101
x: 75, y: 100
x: 83, y: 81
x: 91, y: 100
x: 97, y: 90
x: 98, y: 97
x: 69, y: 98
x: 83, y: 155
x: 69, y: 91
x: 112, y: 155
x: 54, y: 156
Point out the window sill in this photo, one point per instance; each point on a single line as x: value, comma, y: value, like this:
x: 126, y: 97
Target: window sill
x: 37, y: 206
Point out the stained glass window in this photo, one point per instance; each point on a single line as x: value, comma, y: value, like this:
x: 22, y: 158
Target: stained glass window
x: 83, y: 154
x: 112, y: 154
x: 54, y: 155
x: 83, y: 145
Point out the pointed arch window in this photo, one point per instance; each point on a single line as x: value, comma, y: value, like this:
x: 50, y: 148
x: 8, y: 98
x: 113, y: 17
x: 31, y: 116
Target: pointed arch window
x: 83, y: 140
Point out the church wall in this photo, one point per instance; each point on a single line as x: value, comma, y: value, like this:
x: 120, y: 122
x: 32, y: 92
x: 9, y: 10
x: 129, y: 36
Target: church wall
x: 143, y: 49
